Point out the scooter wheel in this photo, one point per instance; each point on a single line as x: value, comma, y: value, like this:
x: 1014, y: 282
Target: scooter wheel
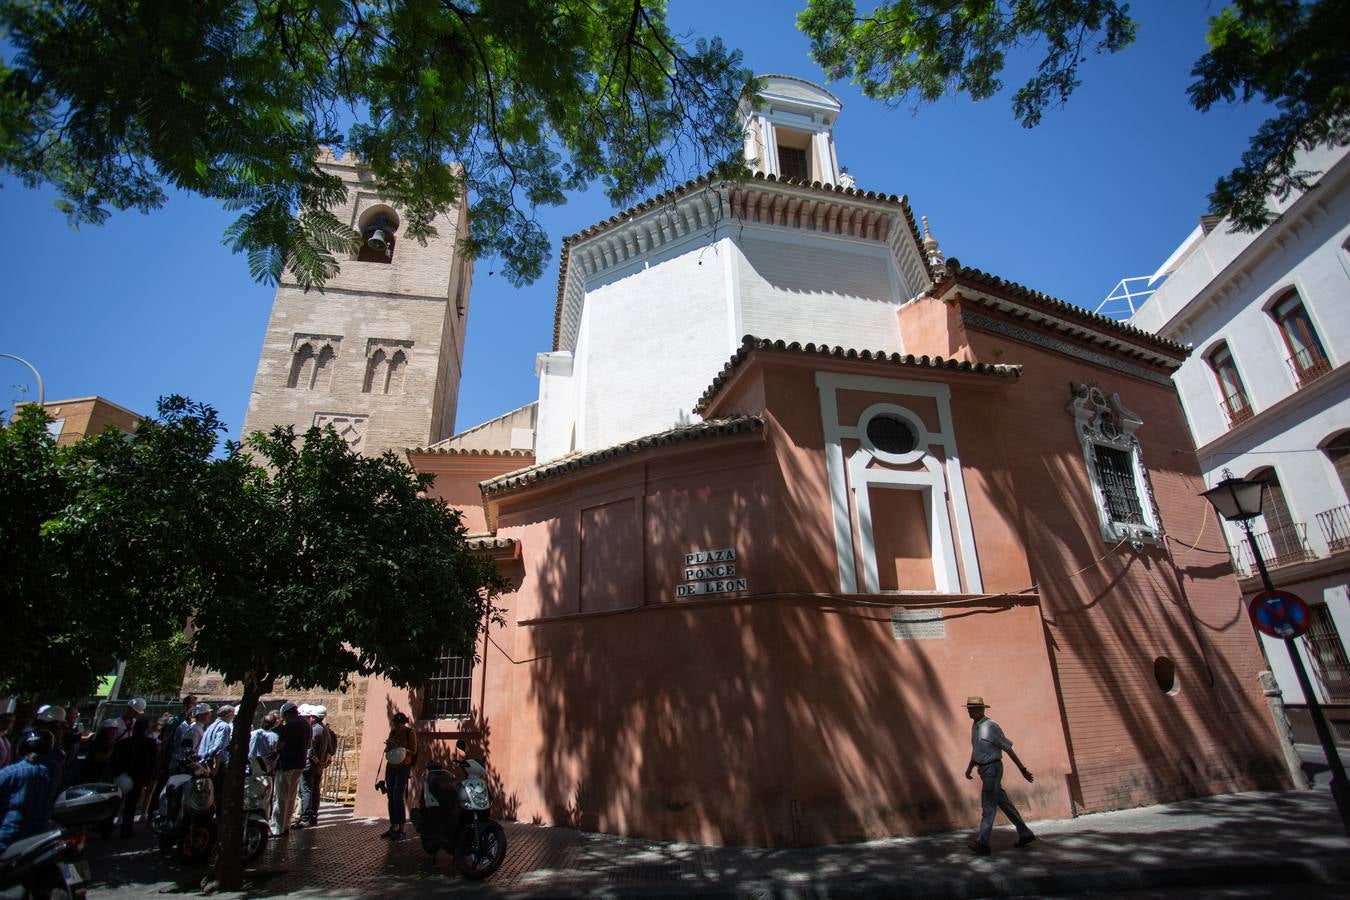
x: 430, y: 845
x: 255, y: 839
x: 479, y: 859
x: 197, y: 842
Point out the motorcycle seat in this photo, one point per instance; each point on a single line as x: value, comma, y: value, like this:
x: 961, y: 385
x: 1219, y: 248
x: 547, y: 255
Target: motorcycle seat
x: 19, y: 848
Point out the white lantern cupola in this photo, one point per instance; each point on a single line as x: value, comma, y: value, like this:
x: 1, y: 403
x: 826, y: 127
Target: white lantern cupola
x: 789, y: 130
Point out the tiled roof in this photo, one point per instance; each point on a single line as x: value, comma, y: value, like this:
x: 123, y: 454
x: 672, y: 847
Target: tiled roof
x: 460, y: 451
x: 956, y: 272
x: 588, y: 458
x: 488, y: 542
x: 703, y: 181
x: 751, y: 344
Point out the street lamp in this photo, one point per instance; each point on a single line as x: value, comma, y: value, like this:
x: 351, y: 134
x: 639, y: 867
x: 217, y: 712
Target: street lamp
x: 1239, y: 500
x: 34, y: 370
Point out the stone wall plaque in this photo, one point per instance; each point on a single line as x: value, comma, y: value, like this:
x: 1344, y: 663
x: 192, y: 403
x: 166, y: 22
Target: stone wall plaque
x: 917, y: 624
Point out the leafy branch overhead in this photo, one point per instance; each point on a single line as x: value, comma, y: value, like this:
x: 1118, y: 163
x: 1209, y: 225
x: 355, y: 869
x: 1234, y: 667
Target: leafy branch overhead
x: 1292, y: 54
x: 113, y: 103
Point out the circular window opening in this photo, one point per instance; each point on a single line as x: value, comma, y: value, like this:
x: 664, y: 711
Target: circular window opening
x: 891, y: 434
x: 1165, y: 673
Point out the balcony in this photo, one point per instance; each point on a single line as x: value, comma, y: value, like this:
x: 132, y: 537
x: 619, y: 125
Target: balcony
x: 1237, y: 408
x: 1335, y: 524
x: 1308, y: 365
x: 1282, y: 546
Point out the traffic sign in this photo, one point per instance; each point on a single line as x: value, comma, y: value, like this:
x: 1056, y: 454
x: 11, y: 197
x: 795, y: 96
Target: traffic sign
x: 1279, y: 614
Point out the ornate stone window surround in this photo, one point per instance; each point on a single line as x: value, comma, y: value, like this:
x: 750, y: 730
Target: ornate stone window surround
x: 951, y: 534
x: 1108, y: 423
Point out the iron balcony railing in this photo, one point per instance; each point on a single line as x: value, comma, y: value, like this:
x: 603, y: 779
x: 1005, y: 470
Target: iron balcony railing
x: 1308, y: 365
x: 1335, y: 525
x: 1237, y: 408
x: 1279, y: 547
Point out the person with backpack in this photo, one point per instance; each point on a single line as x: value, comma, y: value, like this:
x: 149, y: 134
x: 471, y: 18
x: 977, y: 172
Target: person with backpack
x: 322, y: 748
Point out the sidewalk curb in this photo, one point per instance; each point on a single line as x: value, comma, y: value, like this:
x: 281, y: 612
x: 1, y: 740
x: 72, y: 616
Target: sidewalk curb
x: 1114, y: 878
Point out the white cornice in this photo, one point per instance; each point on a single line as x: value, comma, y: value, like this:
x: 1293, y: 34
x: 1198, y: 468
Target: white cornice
x: 1235, y: 275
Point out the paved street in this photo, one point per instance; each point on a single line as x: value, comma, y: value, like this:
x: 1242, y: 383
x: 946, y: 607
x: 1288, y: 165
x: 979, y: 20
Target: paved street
x: 1239, y: 845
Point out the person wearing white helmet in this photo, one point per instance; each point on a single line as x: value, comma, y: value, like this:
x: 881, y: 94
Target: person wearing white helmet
x: 188, y: 738
x: 322, y: 745
x: 110, y: 731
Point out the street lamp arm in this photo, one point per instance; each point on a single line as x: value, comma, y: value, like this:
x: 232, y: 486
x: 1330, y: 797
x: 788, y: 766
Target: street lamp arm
x: 33, y: 368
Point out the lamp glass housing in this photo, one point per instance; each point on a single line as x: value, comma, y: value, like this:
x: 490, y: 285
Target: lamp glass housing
x: 1236, y: 499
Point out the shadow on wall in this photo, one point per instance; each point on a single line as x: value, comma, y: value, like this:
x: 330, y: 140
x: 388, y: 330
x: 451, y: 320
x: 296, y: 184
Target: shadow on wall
x: 783, y: 720
x: 1106, y: 627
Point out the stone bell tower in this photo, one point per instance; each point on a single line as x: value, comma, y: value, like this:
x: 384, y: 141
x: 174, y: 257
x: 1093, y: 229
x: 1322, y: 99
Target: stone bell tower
x: 377, y: 353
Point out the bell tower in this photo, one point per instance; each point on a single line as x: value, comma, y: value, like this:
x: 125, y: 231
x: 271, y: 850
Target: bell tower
x: 377, y: 353
x: 789, y: 131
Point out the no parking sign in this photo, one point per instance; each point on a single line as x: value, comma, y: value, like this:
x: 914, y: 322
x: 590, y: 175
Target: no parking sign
x: 1279, y: 614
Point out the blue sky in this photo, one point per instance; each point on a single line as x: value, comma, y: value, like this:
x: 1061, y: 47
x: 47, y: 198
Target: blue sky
x: 1104, y: 188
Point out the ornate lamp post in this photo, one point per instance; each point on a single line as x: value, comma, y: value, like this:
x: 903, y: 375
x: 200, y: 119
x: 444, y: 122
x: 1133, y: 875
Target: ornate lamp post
x: 1239, y: 500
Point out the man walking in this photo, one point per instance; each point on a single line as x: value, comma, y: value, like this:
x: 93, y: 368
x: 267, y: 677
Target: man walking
x: 987, y: 746
x: 292, y: 751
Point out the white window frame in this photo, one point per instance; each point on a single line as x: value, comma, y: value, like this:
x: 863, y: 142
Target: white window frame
x: 1108, y: 423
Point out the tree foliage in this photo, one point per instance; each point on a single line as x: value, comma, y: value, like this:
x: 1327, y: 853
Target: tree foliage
x: 90, y: 545
x: 293, y: 558
x: 1293, y: 54
x: 317, y: 564
x: 112, y: 102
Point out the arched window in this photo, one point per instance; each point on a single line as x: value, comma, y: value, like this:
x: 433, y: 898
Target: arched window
x: 1335, y: 522
x: 377, y: 226
x: 323, y: 368
x: 302, y: 366
x: 375, y: 372
x: 1307, y: 359
x: 1338, y: 451
x: 398, y: 366
x: 1285, y: 540
x: 1232, y: 392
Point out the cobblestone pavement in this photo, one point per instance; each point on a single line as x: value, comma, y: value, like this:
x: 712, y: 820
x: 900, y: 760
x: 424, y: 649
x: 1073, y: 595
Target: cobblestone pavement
x: 1238, y: 842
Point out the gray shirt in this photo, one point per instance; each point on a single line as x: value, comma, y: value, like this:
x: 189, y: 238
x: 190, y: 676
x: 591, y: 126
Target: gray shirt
x: 987, y: 741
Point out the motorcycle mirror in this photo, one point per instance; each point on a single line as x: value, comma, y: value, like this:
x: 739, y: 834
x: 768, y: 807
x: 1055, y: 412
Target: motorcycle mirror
x: 461, y: 746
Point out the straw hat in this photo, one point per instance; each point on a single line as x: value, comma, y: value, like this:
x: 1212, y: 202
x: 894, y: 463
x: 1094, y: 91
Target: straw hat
x: 976, y: 701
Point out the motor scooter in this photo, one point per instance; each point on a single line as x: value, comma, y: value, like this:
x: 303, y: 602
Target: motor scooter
x: 46, y: 865
x: 454, y: 817
x: 186, y: 817
x: 257, y: 812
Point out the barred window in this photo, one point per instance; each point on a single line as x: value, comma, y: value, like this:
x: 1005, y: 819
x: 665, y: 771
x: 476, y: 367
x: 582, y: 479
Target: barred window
x: 1115, y: 473
x: 448, y: 693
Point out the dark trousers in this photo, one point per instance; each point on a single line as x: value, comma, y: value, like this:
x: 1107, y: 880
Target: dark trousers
x: 310, y: 780
x: 396, y: 780
x: 994, y: 798
x: 130, y: 803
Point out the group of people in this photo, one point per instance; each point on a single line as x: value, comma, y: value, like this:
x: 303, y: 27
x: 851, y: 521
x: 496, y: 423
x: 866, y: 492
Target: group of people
x: 37, y: 762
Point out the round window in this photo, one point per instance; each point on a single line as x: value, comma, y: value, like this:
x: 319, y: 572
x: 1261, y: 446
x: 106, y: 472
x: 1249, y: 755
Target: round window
x: 1165, y: 673
x: 891, y: 434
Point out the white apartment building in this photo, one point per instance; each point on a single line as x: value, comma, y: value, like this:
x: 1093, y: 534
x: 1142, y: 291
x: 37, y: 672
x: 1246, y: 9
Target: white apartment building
x: 1267, y: 393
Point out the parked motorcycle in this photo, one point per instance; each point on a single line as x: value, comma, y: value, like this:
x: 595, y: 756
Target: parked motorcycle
x: 46, y: 865
x: 453, y: 816
x: 186, y: 817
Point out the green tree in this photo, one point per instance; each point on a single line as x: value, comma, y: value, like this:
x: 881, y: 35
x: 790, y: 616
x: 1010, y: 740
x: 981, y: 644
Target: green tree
x: 89, y: 547
x: 155, y: 667
x: 111, y: 102
x: 318, y: 564
x: 1293, y: 54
